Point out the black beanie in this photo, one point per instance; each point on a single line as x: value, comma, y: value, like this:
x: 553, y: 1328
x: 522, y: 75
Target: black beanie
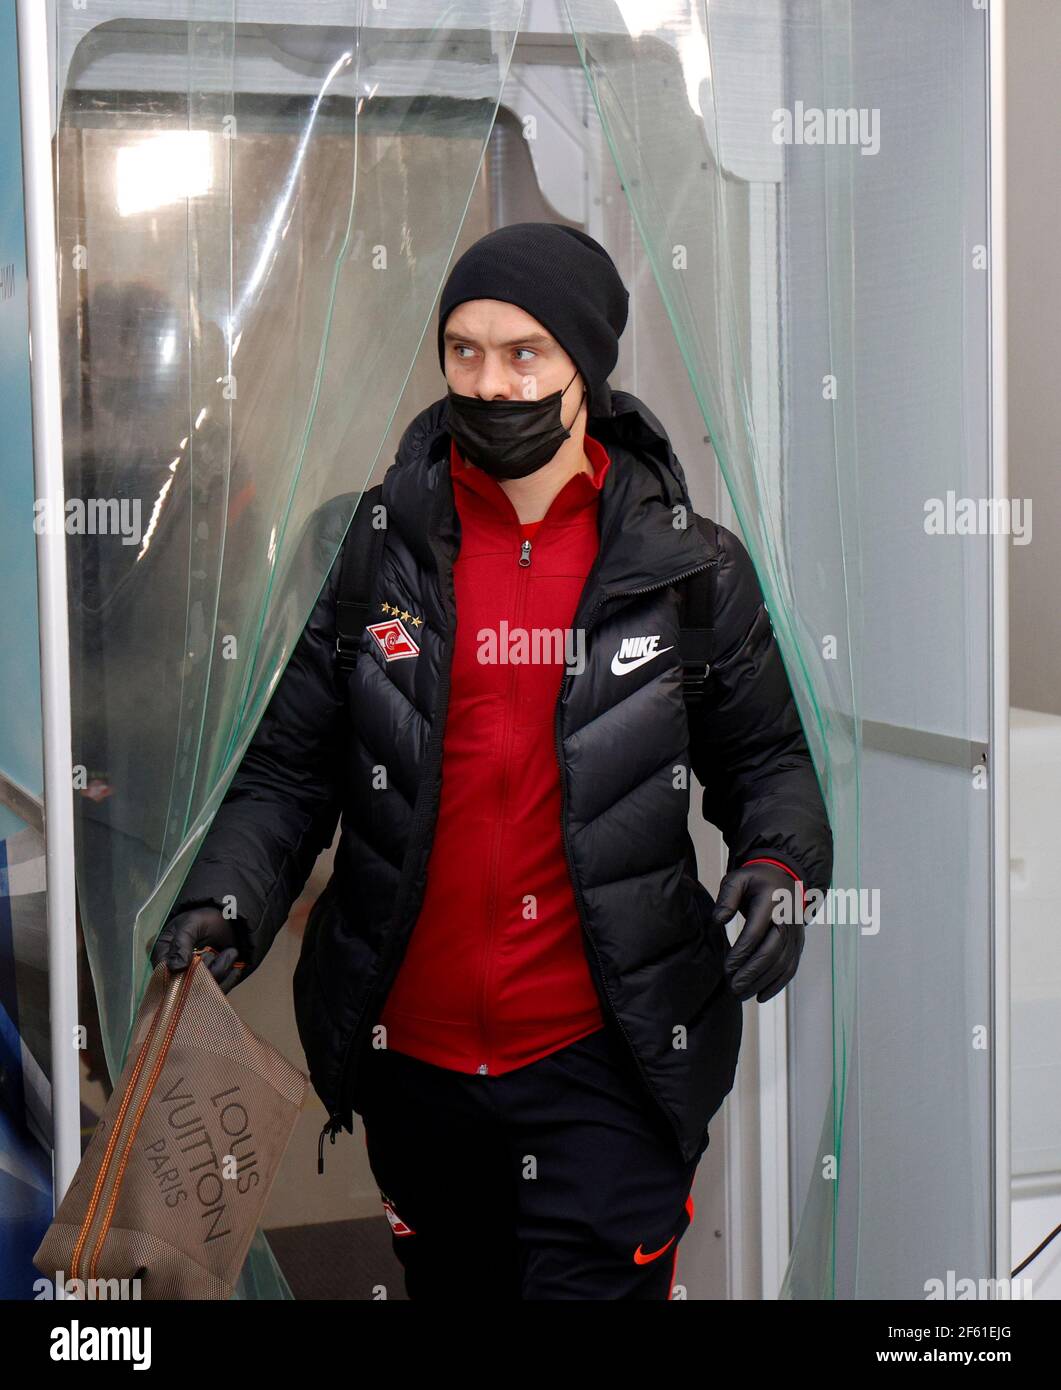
x: 561, y: 277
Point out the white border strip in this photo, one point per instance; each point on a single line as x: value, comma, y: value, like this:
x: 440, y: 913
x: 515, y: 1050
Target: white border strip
x: 774, y: 1156
x: 999, y: 646
x: 41, y: 265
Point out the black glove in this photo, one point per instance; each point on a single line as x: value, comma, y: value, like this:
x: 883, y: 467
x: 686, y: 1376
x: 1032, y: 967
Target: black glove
x: 196, y: 929
x: 764, y: 957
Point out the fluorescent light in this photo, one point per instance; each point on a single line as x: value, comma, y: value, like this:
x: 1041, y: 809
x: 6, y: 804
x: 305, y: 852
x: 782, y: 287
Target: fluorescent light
x: 164, y: 169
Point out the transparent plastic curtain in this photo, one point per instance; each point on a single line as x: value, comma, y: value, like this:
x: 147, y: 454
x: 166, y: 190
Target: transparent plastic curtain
x: 686, y: 93
x: 248, y: 262
x: 809, y: 183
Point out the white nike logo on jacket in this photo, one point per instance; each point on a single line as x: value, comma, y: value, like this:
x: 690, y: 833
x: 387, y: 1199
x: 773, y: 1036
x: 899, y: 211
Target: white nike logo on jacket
x: 634, y: 652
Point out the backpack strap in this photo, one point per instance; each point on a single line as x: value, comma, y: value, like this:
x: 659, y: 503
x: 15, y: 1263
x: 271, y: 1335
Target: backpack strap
x: 696, y: 639
x: 362, y: 552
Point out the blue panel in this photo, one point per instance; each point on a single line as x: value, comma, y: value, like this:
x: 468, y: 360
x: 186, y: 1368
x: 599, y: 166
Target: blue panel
x: 20, y: 701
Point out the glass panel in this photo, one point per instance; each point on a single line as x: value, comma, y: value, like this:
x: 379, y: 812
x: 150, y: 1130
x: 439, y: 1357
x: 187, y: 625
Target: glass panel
x: 245, y: 279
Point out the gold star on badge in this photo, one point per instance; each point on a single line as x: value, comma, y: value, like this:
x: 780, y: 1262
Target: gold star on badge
x: 385, y: 606
x: 405, y: 616
x: 417, y: 622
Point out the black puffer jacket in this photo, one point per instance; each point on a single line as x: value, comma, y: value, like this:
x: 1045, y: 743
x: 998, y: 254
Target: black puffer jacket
x: 656, y: 961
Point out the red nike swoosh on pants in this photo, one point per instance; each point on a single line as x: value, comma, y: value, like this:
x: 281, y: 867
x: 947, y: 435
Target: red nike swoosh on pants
x: 640, y: 1258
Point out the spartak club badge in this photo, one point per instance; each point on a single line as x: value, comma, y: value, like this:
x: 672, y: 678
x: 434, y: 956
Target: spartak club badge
x: 393, y: 640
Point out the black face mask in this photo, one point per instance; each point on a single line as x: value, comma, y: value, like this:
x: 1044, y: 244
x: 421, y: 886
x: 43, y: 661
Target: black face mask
x: 508, y: 439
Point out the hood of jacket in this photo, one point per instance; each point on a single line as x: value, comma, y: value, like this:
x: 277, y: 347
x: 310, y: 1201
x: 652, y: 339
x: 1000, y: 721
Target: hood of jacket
x: 648, y: 531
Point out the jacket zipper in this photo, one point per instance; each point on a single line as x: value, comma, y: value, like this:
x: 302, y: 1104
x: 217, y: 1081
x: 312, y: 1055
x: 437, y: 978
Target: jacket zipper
x: 627, y: 593
x: 483, y: 1069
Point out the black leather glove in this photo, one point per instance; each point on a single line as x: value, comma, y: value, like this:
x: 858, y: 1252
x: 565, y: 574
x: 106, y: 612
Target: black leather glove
x: 201, y: 928
x: 764, y: 957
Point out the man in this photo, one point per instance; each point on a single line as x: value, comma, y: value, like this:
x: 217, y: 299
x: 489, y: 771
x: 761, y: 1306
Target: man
x: 536, y: 1063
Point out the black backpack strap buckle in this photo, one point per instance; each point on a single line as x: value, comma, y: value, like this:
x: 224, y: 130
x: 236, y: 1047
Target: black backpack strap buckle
x: 696, y: 643
x: 697, y: 634
x: 350, y: 622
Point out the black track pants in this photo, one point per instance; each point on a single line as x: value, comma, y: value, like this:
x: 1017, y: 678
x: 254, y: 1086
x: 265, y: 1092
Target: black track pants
x: 559, y: 1180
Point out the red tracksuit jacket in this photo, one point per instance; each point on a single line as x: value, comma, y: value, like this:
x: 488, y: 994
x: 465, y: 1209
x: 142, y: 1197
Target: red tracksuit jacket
x: 495, y: 974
